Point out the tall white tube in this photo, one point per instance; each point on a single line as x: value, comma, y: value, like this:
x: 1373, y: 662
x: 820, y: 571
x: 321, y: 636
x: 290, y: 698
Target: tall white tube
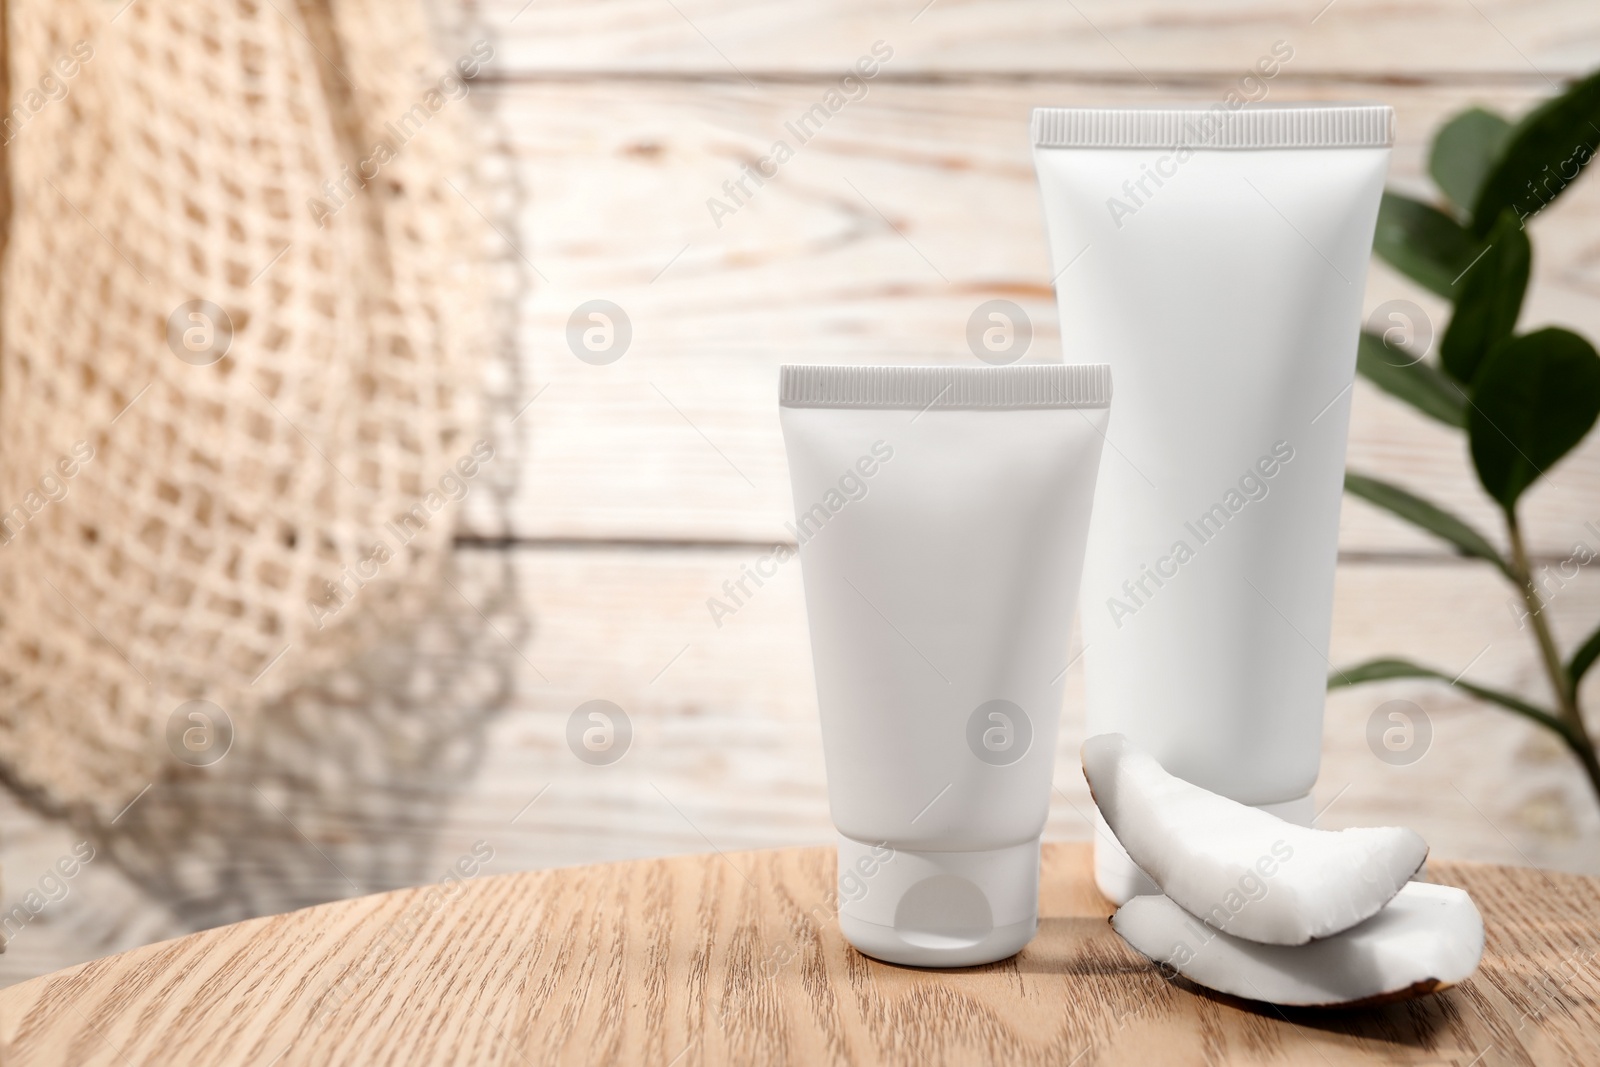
x: 941, y: 515
x: 1216, y: 259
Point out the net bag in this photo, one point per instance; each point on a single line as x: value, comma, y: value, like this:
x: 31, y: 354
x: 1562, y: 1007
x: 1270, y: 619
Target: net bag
x: 239, y: 320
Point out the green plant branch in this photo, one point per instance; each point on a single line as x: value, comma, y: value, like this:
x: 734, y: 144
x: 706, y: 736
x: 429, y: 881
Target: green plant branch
x: 1390, y: 668
x: 1522, y: 577
x: 1427, y: 515
x: 1525, y: 401
x: 1583, y: 659
x: 1414, y: 381
x: 1380, y: 670
x: 1567, y: 719
x: 1561, y: 682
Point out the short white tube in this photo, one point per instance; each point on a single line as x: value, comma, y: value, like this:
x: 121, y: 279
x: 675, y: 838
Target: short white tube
x: 941, y: 515
x: 1216, y: 259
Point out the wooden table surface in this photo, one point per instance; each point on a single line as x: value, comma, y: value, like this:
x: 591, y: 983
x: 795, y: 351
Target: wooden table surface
x: 736, y: 958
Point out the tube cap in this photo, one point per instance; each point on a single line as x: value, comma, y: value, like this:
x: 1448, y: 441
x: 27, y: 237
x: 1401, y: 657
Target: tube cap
x: 1119, y: 878
x: 938, y: 909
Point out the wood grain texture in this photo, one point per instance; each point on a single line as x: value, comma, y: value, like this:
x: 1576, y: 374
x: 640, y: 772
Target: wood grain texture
x: 875, y: 243
x: 1094, y: 39
x: 737, y: 958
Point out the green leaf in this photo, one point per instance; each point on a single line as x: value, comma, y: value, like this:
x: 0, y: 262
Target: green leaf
x: 1583, y: 659
x: 1429, y: 516
x: 1535, y: 397
x: 1423, y: 243
x: 1418, y: 383
x: 1463, y: 153
x: 1544, y: 153
x: 1489, y: 300
x: 1381, y: 670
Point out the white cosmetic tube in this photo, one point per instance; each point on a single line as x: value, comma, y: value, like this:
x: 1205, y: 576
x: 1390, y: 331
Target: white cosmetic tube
x: 941, y: 515
x: 1216, y: 259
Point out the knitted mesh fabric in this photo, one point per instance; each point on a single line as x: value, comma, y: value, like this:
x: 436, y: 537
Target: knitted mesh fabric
x: 182, y: 528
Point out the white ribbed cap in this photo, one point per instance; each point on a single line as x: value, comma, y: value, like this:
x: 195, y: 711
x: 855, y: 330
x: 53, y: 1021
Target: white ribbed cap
x: 1216, y: 126
x: 1026, y: 385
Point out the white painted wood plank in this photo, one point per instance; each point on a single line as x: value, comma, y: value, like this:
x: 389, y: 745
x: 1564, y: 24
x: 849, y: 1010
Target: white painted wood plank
x: 1152, y: 39
x: 728, y: 731
x: 874, y: 243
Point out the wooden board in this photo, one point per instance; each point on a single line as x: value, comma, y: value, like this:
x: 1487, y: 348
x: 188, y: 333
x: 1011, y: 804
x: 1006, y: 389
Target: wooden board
x: 1162, y: 40
x: 737, y: 958
x: 726, y: 751
x: 874, y: 243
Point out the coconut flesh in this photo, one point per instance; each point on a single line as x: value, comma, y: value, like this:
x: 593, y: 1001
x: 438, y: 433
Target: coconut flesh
x: 1427, y: 938
x: 1237, y: 868
x: 1260, y: 908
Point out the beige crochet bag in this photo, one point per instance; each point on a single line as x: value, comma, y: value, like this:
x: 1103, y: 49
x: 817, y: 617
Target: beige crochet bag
x: 239, y: 334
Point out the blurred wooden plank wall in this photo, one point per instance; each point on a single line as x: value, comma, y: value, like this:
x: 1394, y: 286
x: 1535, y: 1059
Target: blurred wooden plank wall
x: 876, y: 241
x: 645, y: 484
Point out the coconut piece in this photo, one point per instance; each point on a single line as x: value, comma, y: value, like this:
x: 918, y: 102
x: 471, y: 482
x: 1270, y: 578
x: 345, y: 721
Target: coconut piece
x: 1427, y: 938
x: 1237, y: 868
